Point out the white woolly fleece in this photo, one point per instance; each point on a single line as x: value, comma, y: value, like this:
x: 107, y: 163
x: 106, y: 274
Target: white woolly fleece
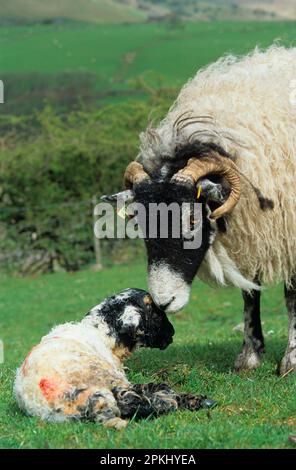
x: 72, y: 353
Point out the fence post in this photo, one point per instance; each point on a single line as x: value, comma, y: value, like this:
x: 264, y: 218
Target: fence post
x: 97, y: 244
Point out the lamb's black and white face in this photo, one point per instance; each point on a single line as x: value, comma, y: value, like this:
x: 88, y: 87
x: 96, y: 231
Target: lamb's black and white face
x: 135, y: 320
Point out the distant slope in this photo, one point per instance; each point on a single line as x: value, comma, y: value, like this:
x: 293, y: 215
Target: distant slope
x: 228, y: 9
x: 133, y: 11
x: 94, y: 11
x: 67, y: 65
x: 124, y: 53
x: 284, y: 9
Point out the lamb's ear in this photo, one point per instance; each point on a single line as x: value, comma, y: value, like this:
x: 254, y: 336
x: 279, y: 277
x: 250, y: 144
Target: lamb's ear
x: 122, y: 197
x: 212, y: 191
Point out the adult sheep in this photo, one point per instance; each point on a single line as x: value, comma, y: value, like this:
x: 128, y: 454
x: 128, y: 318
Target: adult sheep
x: 232, y: 131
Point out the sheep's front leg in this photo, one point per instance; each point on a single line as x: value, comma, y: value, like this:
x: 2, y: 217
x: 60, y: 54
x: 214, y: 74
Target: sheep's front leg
x: 253, y: 345
x: 288, y: 363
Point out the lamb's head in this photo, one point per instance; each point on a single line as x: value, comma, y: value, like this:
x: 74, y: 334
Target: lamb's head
x: 134, y: 320
x: 178, y: 239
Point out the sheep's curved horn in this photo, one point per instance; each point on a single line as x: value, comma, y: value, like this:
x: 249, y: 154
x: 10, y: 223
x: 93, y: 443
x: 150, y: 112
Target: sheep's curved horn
x: 199, y: 167
x: 134, y: 174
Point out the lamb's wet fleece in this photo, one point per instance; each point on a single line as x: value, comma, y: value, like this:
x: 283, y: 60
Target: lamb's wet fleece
x: 76, y: 372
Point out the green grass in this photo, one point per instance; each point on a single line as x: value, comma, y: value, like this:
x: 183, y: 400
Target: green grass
x: 154, y: 49
x: 78, y: 64
x: 255, y: 410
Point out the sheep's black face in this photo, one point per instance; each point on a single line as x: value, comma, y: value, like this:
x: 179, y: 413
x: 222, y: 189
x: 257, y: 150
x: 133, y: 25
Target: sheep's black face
x: 173, y: 261
x: 175, y: 223
x: 135, y: 320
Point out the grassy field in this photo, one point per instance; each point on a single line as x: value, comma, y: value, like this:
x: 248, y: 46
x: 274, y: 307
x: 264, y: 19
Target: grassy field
x: 74, y: 64
x: 255, y: 410
x: 118, y: 53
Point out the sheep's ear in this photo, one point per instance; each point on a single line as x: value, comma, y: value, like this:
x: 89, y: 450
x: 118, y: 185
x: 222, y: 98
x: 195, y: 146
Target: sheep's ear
x: 211, y: 191
x: 215, y: 195
x: 122, y: 197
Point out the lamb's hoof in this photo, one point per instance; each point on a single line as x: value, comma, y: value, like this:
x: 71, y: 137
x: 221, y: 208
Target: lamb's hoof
x: 247, y: 360
x: 208, y: 403
x: 116, y: 423
x: 288, y: 363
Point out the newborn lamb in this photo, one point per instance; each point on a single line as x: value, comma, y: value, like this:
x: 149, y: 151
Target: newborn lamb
x: 76, y: 371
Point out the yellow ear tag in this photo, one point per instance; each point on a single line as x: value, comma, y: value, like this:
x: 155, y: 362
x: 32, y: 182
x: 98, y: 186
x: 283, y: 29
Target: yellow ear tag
x: 122, y: 212
x: 198, y: 192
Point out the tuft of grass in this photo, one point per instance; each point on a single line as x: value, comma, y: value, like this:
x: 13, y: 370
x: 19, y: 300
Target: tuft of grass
x: 255, y: 410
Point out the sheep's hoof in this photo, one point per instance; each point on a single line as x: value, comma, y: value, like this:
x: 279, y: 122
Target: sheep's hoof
x: 116, y: 423
x: 247, y: 360
x: 288, y: 363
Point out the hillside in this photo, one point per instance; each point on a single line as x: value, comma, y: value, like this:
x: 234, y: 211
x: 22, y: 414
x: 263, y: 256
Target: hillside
x: 283, y: 9
x: 228, y: 9
x: 94, y: 11
x: 66, y: 64
x: 133, y: 11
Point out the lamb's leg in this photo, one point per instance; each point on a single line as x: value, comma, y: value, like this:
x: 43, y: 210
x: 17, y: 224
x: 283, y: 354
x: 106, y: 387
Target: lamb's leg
x: 90, y: 404
x: 142, y: 400
x: 102, y: 408
x: 253, y: 345
x: 187, y: 401
x: 288, y: 362
x: 132, y: 402
x: 163, y: 392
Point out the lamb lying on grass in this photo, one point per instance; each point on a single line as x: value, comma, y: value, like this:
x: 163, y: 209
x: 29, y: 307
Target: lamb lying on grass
x: 76, y: 371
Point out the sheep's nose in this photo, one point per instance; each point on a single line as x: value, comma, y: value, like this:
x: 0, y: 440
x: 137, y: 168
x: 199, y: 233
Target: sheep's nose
x: 165, y: 306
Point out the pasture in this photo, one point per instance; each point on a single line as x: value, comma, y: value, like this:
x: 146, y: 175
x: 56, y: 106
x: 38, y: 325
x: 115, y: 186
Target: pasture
x: 255, y: 410
x: 117, y: 54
